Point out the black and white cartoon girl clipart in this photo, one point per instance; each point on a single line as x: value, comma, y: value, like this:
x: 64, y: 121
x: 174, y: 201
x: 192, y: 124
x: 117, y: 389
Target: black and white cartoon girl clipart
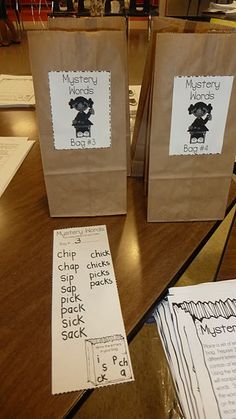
x: 81, y: 122
x: 198, y: 128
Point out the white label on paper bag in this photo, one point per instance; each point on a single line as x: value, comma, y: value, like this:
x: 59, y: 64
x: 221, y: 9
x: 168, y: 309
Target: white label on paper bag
x: 89, y: 346
x: 81, y: 109
x: 199, y: 112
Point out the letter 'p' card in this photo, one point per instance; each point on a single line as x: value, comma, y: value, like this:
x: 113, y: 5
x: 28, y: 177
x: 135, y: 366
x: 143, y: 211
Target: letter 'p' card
x: 89, y: 345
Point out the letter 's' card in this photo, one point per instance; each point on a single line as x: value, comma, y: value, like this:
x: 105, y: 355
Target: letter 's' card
x: 199, y: 113
x: 89, y: 345
x: 81, y: 109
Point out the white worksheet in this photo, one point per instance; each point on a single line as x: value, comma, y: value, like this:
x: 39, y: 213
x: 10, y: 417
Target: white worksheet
x: 89, y: 346
x: 13, y: 150
x: 16, y: 91
x: 199, y: 113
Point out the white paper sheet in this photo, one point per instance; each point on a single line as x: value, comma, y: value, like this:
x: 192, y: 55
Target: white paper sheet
x: 197, y: 326
x: 199, y: 113
x: 16, y: 91
x: 89, y: 346
x: 134, y: 93
x: 13, y: 150
x: 81, y: 109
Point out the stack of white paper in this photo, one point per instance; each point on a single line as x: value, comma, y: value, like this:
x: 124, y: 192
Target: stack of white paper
x: 228, y: 9
x: 197, y: 326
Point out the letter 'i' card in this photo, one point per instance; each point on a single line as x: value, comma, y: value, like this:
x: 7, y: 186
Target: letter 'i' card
x: 89, y: 345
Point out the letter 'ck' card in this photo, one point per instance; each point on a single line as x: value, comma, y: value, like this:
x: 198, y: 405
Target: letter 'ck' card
x: 89, y: 345
x: 199, y: 114
x: 80, y: 107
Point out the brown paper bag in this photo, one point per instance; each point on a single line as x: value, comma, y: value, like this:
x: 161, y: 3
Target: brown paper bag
x: 192, y: 146
x: 159, y: 25
x: 96, y: 24
x: 83, y: 141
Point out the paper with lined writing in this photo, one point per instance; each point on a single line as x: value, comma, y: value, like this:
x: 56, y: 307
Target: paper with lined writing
x: 89, y: 346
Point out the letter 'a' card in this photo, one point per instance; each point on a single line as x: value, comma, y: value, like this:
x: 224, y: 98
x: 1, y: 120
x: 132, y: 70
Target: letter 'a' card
x: 81, y: 109
x: 89, y: 345
x: 199, y: 113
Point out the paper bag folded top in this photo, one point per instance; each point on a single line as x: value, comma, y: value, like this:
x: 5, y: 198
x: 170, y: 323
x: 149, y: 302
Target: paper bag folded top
x: 88, y: 23
x: 80, y: 83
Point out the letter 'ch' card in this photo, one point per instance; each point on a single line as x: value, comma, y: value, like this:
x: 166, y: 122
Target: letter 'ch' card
x: 199, y: 113
x: 89, y: 345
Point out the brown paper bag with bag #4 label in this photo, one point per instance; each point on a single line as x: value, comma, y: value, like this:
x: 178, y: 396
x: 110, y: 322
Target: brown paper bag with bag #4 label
x: 140, y: 139
x: 78, y: 80
x: 108, y: 23
x: 193, y: 127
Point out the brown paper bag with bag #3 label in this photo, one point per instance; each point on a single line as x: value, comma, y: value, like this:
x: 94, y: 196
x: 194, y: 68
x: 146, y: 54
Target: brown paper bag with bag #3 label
x: 140, y: 136
x: 97, y: 24
x: 79, y: 80
x: 193, y: 126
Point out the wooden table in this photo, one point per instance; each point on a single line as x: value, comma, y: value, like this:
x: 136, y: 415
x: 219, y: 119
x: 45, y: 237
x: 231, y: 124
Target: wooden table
x: 227, y: 264
x: 148, y: 258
